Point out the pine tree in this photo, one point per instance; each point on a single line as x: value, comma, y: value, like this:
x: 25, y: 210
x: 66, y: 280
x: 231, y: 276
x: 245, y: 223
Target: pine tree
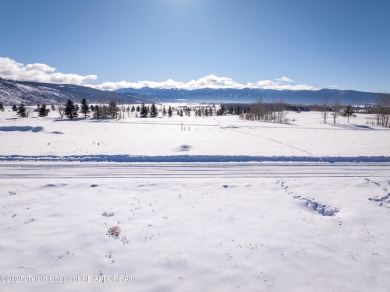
x: 53, y: 108
x: 348, y: 112
x: 1, y: 107
x: 43, y: 111
x: 169, y: 111
x: 153, y: 111
x: 85, y: 108
x: 112, y: 110
x: 96, y: 112
x: 70, y: 110
x: 222, y: 110
x: 164, y: 111
x: 21, y: 112
x: 92, y: 107
x: 181, y: 112
x: 132, y: 109
x: 14, y: 108
x: 144, y: 111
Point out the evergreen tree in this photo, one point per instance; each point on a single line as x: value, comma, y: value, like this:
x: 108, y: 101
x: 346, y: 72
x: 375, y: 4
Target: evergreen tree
x: 138, y: 109
x: 153, y: 111
x: 222, y: 110
x: 132, y: 109
x: 181, y: 112
x: 1, y: 107
x: 92, y: 107
x: 53, y: 108
x: 97, y: 112
x: 21, y: 111
x: 113, y: 110
x: 70, y: 110
x: 14, y: 108
x: 85, y: 108
x: 164, y: 111
x: 43, y: 111
x: 169, y: 111
x: 348, y: 112
x: 144, y: 111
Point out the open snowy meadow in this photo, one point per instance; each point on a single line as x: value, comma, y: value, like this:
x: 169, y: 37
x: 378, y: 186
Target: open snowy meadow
x: 194, y: 204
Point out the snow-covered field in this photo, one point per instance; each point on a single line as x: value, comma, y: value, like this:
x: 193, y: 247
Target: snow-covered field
x: 304, y: 135
x: 202, y: 204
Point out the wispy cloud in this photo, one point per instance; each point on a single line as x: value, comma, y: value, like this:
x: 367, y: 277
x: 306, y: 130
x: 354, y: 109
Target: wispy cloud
x: 285, y: 79
x: 10, y: 69
x: 210, y: 81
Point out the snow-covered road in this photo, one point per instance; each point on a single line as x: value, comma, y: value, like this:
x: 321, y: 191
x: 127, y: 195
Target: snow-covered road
x: 25, y: 170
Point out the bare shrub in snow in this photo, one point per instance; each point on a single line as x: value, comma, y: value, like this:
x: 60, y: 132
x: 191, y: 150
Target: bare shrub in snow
x: 114, y: 231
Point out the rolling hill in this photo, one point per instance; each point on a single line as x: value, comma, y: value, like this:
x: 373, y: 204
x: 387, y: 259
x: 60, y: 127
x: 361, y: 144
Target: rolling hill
x: 15, y: 92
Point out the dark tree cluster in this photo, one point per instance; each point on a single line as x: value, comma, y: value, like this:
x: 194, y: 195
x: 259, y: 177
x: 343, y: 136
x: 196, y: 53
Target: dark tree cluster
x: 21, y: 111
x: 71, y: 111
x: 103, y: 112
x: 144, y: 111
x: 153, y: 111
x: 348, y: 111
x: 43, y: 111
x: 85, y: 110
x: 266, y: 112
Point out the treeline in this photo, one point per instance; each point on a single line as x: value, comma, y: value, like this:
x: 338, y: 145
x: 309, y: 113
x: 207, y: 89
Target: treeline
x: 381, y: 111
x: 260, y: 111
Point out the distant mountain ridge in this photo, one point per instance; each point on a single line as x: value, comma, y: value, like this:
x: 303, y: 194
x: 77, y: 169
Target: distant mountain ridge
x: 248, y: 95
x: 15, y: 92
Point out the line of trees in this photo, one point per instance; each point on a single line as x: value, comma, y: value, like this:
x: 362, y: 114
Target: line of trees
x: 383, y: 111
x: 266, y: 112
x: 260, y: 111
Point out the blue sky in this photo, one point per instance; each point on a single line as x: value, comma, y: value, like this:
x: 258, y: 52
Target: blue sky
x: 317, y: 44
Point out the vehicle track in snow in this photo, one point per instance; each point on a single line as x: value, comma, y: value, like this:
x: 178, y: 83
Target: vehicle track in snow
x: 23, y: 170
x: 270, y: 139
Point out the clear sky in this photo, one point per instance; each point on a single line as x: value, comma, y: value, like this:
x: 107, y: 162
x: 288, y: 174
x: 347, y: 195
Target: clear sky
x: 341, y: 44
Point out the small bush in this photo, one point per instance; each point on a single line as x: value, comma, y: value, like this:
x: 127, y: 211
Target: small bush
x: 114, y: 231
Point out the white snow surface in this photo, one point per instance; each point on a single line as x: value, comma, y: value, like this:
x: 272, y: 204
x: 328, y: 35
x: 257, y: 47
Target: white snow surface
x: 304, y: 135
x: 186, y: 225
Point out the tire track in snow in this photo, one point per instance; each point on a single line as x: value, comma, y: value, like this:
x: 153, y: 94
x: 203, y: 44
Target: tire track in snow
x: 270, y: 139
x: 23, y: 170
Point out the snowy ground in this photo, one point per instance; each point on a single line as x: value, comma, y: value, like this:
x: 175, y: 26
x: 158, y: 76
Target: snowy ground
x: 300, y: 225
x: 305, y: 135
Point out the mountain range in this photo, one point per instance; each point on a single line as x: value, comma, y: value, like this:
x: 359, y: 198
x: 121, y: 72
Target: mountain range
x: 249, y: 95
x: 15, y: 92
